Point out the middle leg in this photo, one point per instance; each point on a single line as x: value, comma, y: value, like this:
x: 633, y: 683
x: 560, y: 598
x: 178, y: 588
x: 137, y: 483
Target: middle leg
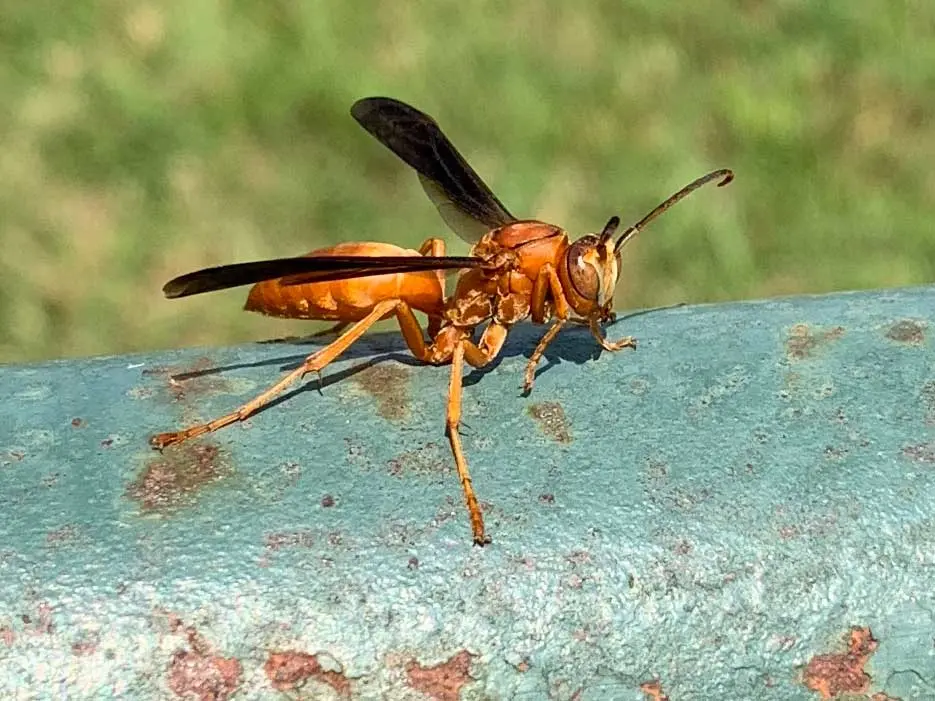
x: 477, y: 355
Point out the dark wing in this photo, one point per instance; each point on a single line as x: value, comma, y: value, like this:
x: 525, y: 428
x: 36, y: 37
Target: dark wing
x: 304, y: 269
x: 464, y: 201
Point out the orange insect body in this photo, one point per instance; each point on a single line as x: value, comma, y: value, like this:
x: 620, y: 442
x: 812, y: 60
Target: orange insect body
x: 349, y: 300
x: 517, y: 270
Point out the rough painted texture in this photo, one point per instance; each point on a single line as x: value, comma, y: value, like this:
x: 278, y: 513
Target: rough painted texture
x: 711, y: 515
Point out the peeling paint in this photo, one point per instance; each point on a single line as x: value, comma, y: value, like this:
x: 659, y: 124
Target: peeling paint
x: 177, y: 474
x: 195, y: 671
x: 551, y: 419
x: 907, y: 331
x: 804, y: 341
x: 837, y: 673
x: 442, y: 682
x: 922, y: 452
x: 653, y: 691
x: 289, y: 669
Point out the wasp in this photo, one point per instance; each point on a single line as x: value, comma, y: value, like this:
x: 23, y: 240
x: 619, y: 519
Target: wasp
x: 517, y: 269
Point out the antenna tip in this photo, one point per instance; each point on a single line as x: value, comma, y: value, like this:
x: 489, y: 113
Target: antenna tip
x: 610, y: 227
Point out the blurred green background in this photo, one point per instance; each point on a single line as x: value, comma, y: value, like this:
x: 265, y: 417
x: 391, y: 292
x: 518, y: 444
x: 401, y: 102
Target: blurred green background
x: 141, y: 140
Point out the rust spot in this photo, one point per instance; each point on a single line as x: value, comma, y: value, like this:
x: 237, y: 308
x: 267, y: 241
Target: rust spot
x: 923, y: 452
x: 197, y: 672
x: 831, y: 674
x: 174, y: 477
x: 803, y: 341
x: 388, y: 384
x: 289, y: 670
x: 653, y: 690
x: 907, y: 331
x: 76, y: 422
x: 444, y: 681
x: 185, y: 381
x: 428, y: 459
x: 43, y: 624
x: 206, y: 677
x: 546, y: 498
x: 83, y: 648
x: 7, y: 635
x: 523, y: 666
x: 551, y: 419
x: 327, y: 501
x: 11, y: 457
x: 413, y: 563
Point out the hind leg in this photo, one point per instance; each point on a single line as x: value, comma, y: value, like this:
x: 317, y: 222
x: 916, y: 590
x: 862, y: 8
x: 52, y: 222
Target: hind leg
x: 409, y: 326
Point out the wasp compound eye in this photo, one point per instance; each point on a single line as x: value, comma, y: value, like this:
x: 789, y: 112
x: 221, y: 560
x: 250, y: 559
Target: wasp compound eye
x: 582, y: 262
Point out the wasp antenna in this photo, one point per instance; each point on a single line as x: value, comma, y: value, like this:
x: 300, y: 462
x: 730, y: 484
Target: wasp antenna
x: 724, y: 174
x: 609, y: 228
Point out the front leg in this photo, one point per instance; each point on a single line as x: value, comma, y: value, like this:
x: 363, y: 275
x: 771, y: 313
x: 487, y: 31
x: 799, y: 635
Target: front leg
x: 547, y: 283
x: 612, y: 346
x: 530, y: 375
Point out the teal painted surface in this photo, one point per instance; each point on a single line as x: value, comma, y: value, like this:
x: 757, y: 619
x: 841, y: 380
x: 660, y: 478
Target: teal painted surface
x: 717, y: 508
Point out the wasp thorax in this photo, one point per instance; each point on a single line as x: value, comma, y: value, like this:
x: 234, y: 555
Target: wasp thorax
x: 592, y: 269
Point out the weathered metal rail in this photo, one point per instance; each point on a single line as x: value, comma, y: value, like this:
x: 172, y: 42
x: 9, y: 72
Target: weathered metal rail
x: 742, y: 508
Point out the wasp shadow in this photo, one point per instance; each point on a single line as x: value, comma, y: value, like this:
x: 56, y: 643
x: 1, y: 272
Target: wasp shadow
x: 574, y: 344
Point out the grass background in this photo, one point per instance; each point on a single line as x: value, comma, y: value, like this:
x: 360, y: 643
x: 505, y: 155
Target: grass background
x: 141, y: 140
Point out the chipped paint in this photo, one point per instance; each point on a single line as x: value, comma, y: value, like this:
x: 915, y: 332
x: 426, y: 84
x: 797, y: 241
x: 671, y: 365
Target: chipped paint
x: 551, y: 419
x: 444, y: 681
x: 835, y: 673
x: 176, y: 476
x: 195, y: 671
x: 290, y: 670
x: 804, y: 341
x: 922, y: 452
x: 908, y: 331
x: 653, y: 690
x: 204, y: 677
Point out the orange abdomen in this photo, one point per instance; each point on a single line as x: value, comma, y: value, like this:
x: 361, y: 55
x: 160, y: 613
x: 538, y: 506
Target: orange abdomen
x: 351, y: 299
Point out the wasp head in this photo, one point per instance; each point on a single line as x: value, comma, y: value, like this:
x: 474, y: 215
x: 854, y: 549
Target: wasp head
x: 590, y: 271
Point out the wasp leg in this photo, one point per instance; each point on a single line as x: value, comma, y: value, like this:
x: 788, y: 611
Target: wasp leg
x: 530, y: 375
x: 547, y: 281
x: 436, y: 249
x: 408, y: 323
x: 477, y: 355
x: 613, y: 346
